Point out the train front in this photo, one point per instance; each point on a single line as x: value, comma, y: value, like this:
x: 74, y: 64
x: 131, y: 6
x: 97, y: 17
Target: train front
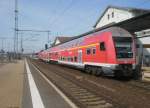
x: 125, y: 54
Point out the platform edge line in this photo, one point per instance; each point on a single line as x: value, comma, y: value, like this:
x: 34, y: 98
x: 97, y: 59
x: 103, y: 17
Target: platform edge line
x: 35, y: 95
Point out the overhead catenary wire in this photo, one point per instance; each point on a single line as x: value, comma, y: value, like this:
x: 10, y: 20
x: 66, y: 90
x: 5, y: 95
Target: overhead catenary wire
x: 91, y: 14
x: 62, y: 13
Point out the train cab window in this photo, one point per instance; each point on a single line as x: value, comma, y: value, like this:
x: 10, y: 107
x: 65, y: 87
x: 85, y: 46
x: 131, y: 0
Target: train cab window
x: 123, y: 47
x: 93, y: 50
x: 88, y: 51
x: 102, y: 46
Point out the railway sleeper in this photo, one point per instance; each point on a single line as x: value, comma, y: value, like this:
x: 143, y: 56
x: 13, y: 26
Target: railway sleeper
x: 90, y: 99
x: 83, y: 94
x: 94, y: 103
x: 78, y: 92
x: 101, y: 104
x: 85, y: 97
x: 78, y: 89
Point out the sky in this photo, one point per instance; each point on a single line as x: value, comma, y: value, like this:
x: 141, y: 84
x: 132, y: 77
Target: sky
x: 61, y: 17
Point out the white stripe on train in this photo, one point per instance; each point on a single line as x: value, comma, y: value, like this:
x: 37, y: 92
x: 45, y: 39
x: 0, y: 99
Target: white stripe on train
x: 108, y: 65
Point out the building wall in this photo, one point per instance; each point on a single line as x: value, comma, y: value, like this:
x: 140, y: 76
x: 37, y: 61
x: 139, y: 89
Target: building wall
x: 57, y: 42
x: 146, y: 51
x: 119, y: 15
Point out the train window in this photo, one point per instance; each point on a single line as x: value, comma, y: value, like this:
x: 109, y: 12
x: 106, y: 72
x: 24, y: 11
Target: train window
x: 102, y: 46
x: 88, y: 51
x: 75, y: 59
x: 71, y: 59
x: 56, y: 54
x: 93, y: 50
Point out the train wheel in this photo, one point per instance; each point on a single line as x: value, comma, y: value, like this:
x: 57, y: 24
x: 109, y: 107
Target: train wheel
x: 118, y: 74
x: 88, y: 69
x: 94, y: 70
x: 99, y: 71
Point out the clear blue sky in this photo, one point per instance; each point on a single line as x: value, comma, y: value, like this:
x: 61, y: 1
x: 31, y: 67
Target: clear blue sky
x: 61, y: 17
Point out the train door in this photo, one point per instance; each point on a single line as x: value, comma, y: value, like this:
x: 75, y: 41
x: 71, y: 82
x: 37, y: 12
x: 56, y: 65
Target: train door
x: 103, y: 52
x: 79, y: 56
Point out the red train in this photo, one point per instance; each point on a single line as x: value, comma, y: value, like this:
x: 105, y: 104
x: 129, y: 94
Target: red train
x: 109, y: 51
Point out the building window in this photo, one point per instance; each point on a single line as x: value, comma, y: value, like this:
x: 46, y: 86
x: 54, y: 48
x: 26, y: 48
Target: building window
x: 112, y: 14
x: 93, y: 50
x: 102, y: 46
x: 108, y: 16
x: 88, y: 51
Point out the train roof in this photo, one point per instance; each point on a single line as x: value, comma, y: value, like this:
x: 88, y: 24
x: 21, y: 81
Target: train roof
x: 115, y: 32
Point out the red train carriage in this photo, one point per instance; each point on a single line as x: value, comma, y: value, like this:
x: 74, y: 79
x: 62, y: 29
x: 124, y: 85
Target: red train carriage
x: 43, y: 55
x: 109, y: 51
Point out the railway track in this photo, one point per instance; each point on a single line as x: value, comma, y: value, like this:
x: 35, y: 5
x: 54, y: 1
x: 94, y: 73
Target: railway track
x: 83, y: 97
x: 88, y: 91
x: 140, y: 84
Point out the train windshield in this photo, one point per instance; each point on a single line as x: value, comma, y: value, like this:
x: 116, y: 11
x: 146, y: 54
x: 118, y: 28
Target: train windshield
x: 123, y: 46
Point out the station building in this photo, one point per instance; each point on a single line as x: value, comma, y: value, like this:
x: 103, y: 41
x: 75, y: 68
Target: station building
x: 115, y: 14
x: 61, y: 39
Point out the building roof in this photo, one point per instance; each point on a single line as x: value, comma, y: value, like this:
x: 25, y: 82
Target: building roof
x: 62, y: 39
x: 130, y: 9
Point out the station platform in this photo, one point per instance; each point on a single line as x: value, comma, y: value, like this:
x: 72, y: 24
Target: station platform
x: 11, y: 84
x: 21, y: 86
